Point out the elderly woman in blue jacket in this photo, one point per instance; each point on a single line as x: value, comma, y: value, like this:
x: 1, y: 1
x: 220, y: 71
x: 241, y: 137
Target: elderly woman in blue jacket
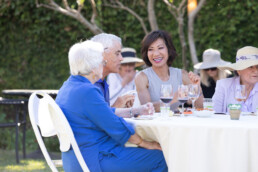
x: 100, y: 133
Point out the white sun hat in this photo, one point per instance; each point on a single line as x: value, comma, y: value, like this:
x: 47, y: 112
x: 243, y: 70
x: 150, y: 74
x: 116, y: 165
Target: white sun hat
x: 211, y: 58
x: 129, y: 56
x: 246, y: 57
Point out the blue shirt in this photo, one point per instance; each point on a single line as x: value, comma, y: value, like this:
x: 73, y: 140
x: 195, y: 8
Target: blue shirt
x: 103, y: 86
x: 96, y: 128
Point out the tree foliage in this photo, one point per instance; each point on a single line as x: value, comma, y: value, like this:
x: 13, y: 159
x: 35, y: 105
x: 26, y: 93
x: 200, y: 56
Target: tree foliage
x: 35, y: 41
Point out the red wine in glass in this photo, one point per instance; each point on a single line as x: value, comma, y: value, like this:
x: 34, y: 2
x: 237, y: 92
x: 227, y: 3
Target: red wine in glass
x: 166, y: 99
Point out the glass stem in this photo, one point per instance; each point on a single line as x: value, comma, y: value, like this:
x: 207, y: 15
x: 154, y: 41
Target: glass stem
x: 182, y: 109
x: 193, y: 105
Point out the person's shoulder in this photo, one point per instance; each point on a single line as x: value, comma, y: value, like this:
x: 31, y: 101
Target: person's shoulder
x: 141, y: 77
x: 174, y: 68
x: 111, y: 77
x: 226, y: 81
x: 88, y: 88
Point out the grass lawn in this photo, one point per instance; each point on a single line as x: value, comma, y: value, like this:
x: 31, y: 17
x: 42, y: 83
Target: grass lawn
x: 8, y: 163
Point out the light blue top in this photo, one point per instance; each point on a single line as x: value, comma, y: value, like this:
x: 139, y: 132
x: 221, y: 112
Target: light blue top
x: 96, y: 128
x: 225, y: 95
x: 175, y: 79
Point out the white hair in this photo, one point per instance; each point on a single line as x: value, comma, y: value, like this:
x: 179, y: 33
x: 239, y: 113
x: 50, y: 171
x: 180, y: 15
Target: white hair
x: 84, y: 57
x: 107, y: 40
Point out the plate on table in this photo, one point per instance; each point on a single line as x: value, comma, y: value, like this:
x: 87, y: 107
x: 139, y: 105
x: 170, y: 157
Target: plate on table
x: 144, y: 117
x: 248, y: 114
x: 204, y: 113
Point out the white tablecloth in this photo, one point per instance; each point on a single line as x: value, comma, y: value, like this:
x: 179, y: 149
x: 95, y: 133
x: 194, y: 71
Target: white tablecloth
x: 215, y: 144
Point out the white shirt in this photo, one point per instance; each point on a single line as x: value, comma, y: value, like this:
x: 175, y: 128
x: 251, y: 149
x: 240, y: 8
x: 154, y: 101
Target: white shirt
x: 114, y: 81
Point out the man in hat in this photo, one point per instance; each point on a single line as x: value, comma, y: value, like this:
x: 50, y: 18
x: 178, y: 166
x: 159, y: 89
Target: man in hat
x: 122, y: 82
x: 246, y: 69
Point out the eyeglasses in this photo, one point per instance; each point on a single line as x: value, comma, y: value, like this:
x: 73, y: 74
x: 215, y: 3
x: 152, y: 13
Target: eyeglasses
x: 212, y: 69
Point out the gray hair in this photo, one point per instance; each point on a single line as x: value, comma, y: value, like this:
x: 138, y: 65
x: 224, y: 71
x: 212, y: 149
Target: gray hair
x: 84, y: 57
x: 107, y: 40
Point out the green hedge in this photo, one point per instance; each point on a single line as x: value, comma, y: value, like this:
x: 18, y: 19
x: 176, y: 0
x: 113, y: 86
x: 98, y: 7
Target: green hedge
x: 34, y: 42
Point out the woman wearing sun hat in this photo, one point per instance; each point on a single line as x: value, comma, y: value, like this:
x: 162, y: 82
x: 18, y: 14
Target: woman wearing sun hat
x: 246, y: 67
x: 123, y: 81
x: 209, y: 72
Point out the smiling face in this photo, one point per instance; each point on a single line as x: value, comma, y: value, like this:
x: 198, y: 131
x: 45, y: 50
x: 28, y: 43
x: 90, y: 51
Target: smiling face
x: 249, y: 75
x: 113, y: 57
x: 158, y: 53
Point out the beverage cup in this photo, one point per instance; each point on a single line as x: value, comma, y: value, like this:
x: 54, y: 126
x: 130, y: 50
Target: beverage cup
x: 234, y: 114
x: 207, y: 103
x: 234, y: 111
x: 164, y: 110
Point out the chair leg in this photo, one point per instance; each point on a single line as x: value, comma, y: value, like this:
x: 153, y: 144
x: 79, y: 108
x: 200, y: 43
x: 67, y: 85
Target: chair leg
x: 24, y: 130
x: 17, y: 136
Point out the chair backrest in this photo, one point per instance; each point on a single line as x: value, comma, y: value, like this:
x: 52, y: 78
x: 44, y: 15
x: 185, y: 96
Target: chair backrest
x: 47, y: 115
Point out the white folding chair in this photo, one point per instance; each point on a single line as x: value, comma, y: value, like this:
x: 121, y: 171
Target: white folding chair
x: 47, y: 115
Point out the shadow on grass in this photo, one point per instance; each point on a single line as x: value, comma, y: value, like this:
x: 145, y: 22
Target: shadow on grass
x: 8, y: 163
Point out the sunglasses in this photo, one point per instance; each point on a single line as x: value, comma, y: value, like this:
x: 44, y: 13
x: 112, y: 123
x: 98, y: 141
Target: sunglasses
x: 212, y: 69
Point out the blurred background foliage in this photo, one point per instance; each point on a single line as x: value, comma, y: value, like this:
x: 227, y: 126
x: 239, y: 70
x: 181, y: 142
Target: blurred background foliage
x: 34, y: 42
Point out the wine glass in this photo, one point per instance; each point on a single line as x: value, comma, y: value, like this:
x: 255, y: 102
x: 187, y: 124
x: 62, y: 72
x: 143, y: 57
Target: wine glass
x: 240, y: 93
x: 193, y: 93
x: 166, y: 95
x: 182, y: 96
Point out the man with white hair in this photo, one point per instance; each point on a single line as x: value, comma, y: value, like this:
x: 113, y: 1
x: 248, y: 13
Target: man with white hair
x: 112, y: 56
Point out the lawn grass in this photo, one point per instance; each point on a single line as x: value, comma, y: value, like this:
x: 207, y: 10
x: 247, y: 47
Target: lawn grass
x: 8, y: 163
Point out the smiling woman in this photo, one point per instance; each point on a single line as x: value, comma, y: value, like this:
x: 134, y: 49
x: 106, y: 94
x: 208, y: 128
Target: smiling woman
x: 158, y: 52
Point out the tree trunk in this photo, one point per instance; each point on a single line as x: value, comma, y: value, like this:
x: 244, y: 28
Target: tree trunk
x: 182, y: 40
x: 191, y: 40
x: 152, y: 15
x: 191, y: 17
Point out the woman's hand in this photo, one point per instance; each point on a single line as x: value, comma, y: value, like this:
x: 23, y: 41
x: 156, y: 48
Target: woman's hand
x: 195, y: 79
x: 150, y: 145
x: 147, y: 109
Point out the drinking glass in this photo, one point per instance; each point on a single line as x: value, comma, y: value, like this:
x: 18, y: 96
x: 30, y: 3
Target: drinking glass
x: 240, y: 93
x: 182, y: 96
x: 207, y: 104
x: 193, y: 93
x: 166, y: 95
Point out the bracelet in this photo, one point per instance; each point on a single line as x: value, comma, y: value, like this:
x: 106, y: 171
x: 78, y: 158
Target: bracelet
x: 131, y: 112
x: 139, y: 142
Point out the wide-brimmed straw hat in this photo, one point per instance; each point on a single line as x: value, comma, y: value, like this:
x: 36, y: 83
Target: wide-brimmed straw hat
x: 246, y: 57
x: 129, y: 56
x: 211, y: 58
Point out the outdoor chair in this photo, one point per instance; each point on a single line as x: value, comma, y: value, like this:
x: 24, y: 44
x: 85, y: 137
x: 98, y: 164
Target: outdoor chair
x: 20, y: 110
x: 46, y: 115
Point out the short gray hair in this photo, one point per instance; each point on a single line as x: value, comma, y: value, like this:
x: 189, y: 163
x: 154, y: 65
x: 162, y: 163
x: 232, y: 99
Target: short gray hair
x: 84, y: 57
x: 107, y: 40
